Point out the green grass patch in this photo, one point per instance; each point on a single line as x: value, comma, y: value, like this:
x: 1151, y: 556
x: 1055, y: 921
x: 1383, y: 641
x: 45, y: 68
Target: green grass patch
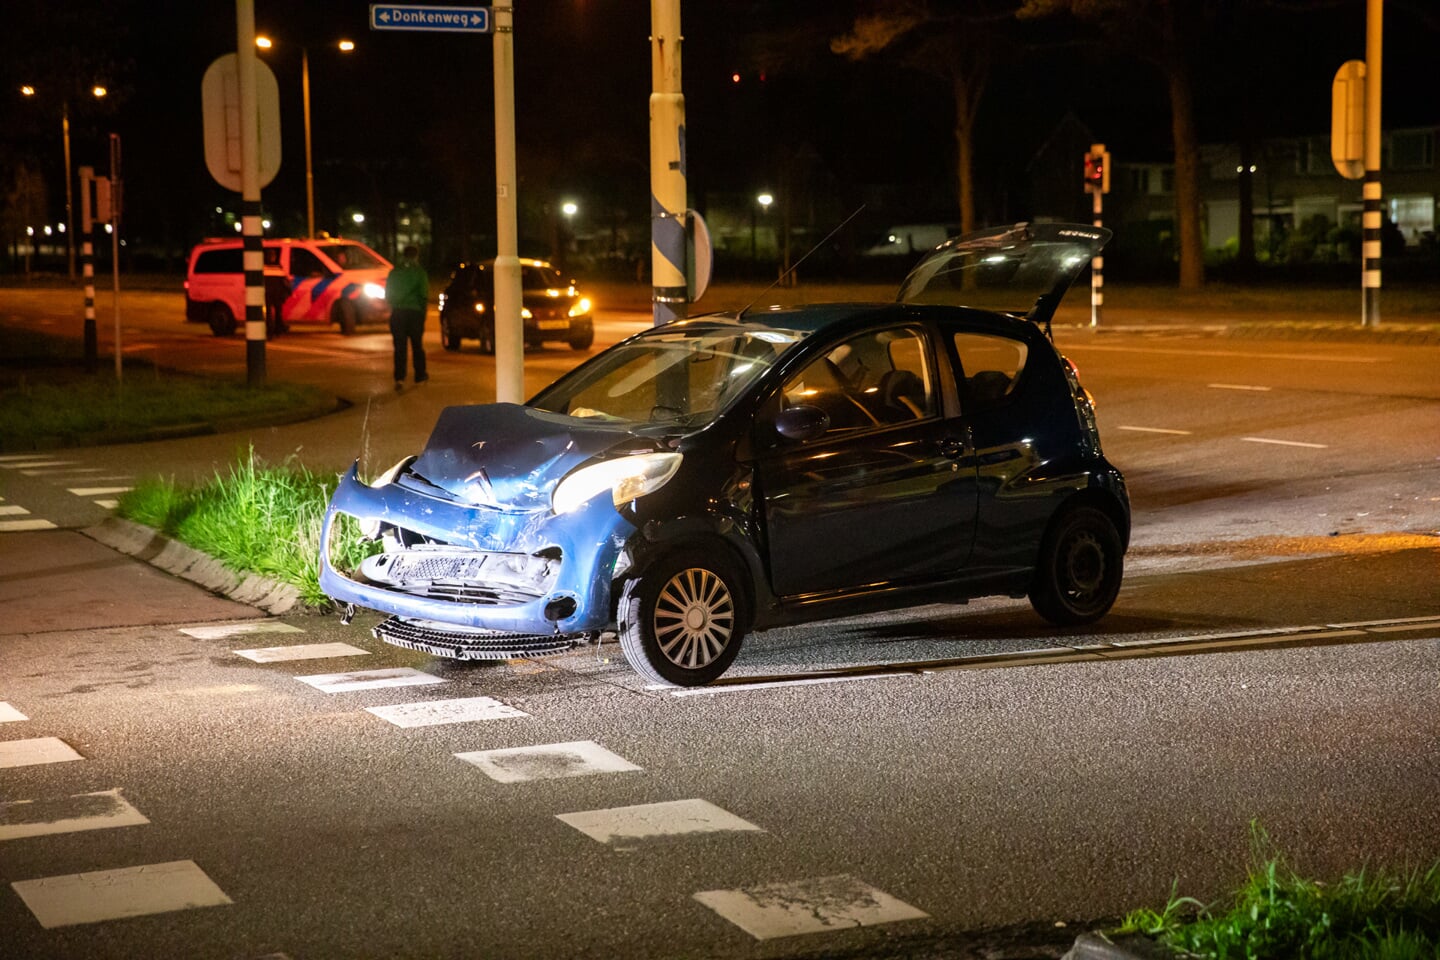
x: 1276, y: 913
x: 257, y: 519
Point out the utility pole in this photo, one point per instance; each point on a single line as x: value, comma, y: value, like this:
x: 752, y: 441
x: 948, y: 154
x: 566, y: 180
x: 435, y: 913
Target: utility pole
x: 509, y: 329
x: 670, y: 284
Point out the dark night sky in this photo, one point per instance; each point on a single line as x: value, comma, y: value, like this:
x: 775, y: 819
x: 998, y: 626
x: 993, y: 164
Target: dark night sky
x: 411, y: 114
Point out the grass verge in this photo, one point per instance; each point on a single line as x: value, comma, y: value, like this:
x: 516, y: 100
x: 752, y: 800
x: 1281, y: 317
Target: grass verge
x: 257, y: 519
x: 1276, y: 913
x: 47, y: 400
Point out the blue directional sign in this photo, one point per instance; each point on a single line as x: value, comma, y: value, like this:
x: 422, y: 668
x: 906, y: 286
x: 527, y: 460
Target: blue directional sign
x: 405, y: 16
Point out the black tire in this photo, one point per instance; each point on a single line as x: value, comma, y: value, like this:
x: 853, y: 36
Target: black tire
x: 681, y: 622
x: 1081, y: 564
x: 449, y: 339
x: 487, y: 337
x: 222, y: 322
x: 345, y: 315
x: 582, y: 340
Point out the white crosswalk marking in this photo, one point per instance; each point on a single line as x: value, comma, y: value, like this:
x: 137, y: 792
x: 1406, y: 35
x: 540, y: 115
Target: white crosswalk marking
x: 369, y: 680
x: 11, y: 510
x: 302, y: 651
x: 222, y: 631
x: 656, y: 820
x: 112, y: 894
x: 807, y: 906
x: 430, y: 713
x: 20, y: 526
x: 28, y: 753
x: 9, y: 714
x: 549, y: 762
x: 85, y: 811
x: 32, y: 462
x: 98, y: 491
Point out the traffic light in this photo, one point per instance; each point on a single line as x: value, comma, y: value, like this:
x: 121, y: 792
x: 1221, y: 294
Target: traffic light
x: 1097, y: 169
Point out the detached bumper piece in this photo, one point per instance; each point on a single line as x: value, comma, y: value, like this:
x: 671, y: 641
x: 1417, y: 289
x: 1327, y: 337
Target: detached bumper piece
x: 447, y: 640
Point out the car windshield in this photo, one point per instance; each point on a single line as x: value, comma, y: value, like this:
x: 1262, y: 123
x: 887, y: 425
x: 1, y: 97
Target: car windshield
x: 1023, y: 269
x: 541, y: 277
x: 352, y: 256
x: 680, y: 374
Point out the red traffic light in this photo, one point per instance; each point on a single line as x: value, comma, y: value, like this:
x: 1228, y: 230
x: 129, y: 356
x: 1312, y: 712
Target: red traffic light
x: 1097, y: 171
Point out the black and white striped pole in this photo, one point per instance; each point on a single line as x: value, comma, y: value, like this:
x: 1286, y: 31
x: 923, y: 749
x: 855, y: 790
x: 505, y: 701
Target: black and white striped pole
x: 87, y: 266
x: 251, y: 228
x: 1097, y: 183
x: 1373, y: 210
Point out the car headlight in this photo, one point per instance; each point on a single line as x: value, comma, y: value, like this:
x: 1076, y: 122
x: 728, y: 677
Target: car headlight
x: 375, y: 291
x: 627, y: 478
x: 525, y: 313
x: 479, y: 308
x: 581, y: 307
x: 370, y: 526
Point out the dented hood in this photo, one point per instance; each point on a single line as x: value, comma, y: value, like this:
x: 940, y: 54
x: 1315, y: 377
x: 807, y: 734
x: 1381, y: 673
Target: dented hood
x: 507, y: 455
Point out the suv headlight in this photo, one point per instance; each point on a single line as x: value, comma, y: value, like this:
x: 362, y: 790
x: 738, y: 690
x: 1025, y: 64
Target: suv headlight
x: 627, y: 478
x: 375, y: 291
x: 581, y: 307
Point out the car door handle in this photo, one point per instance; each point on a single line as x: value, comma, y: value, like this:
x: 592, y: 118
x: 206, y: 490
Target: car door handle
x: 952, y: 447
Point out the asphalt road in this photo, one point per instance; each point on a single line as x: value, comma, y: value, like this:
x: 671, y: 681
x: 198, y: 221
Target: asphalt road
x: 881, y: 786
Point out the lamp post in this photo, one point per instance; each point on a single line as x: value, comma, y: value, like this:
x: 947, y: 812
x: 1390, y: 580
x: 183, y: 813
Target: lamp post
x: 344, y: 46
x: 763, y: 200
x: 97, y: 92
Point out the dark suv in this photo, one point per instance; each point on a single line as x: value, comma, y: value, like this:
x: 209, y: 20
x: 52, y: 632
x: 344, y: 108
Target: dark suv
x: 553, y: 308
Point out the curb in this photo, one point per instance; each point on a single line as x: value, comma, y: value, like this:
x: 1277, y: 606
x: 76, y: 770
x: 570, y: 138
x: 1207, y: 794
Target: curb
x: 144, y: 543
x: 1095, y: 946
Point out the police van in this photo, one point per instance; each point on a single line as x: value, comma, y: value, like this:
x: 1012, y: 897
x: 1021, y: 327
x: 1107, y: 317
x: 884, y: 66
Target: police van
x: 324, y: 280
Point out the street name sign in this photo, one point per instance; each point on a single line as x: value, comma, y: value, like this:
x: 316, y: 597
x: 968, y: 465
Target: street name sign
x: 405, y: 16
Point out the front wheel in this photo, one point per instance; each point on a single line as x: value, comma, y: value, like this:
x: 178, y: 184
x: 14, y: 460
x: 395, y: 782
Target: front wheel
x: 1081, y: 564
x: 222, y: 323
x: 449, y: 339
x: 583, y: 339
x: 680, y: 622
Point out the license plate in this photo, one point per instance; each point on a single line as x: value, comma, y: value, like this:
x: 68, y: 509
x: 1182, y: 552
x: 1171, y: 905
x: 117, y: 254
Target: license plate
x: 554, y: 324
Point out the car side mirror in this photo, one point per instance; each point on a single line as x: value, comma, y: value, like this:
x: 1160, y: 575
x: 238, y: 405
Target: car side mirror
x: 802, y: 422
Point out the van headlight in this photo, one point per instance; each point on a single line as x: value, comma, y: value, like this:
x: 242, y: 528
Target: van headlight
x: 375, y: 291
x: 627, y: 478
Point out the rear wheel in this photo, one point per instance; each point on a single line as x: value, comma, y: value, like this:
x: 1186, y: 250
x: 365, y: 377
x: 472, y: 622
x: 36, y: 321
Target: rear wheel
x: 680, y: 621
x: 449, y: 339
x: 222, y: 322
x: 345, y: 315
x: 1081, y: 564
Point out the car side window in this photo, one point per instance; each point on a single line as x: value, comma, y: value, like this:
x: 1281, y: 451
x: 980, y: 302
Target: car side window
x: 219, y: 261
x: 875, y: 379
x: 303, y: 263
x: 991, y: 366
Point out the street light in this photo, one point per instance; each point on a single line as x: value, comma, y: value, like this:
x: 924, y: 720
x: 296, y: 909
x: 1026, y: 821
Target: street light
x: 97, y: 92
x: 764, y: 200
x: 344, y: 46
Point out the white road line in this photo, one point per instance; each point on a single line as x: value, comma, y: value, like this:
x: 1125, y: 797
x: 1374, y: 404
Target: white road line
x: 1286, y: 443
x: 807, y: 906
x: 431, y: 713
x: 9, y: 714
x: 1400, y: 627
x: 10, y: 458
x: 84, y: 811
x: 221, y: 631
x: 20, y: 526
x: 33, y: 462
x: 113, y: 894
x: 63, y: 471
x: 29, y: 753
x: 12, y: 510
x: 107, y: 504
x: 580, y: 758
x: 1179, y: 352
x: 369, y: 680
x: 1386, y: 623
x: 765, y: 685
x: 98, y: 491
x: 1178, y: 433
x: 1237, y: 386
x: 302, y: 651
x: 656, y: 820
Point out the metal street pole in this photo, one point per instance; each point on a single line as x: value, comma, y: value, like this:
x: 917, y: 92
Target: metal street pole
x: 509, y: 331
x: 670, y: 287
x: 309, y: 169
x: 250, y: 226
x: 115, y: 199
x: 1374, y: 205
x: 69, y: 191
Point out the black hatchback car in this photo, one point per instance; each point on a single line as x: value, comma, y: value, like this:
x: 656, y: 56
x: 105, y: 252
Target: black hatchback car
x: 552, y: 307
x: 729, y: 473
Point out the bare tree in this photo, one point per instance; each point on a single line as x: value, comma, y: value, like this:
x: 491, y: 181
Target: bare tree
x: 1163, y: 33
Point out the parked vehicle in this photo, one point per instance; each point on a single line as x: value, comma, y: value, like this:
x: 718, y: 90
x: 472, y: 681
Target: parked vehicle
x: 326, y: 280
x: 733, y: 472
x: 552, y: 308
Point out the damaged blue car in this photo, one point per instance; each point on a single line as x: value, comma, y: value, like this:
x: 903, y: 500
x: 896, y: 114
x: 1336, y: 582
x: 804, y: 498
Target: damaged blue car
x: 732, y: 472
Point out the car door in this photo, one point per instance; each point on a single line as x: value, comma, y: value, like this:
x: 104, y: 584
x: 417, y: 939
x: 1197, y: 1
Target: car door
x: 886, y: 494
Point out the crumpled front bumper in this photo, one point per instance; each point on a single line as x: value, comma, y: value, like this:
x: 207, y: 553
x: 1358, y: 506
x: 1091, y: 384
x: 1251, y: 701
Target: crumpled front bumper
x: 589, y: 540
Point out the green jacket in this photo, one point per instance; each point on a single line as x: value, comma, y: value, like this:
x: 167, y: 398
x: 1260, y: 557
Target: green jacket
x: 407, y: 286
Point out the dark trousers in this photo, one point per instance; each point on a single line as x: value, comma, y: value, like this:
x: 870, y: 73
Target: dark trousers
x: 407, y: 326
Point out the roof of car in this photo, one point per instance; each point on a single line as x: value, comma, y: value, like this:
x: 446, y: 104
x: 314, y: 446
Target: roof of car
x: 819, y: 317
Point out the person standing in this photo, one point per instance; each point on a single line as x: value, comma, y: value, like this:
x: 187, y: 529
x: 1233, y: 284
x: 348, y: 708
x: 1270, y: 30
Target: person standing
x: 407, y: 290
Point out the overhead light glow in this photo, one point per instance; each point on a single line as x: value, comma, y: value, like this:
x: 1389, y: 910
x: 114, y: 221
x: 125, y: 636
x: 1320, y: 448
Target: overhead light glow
x: 28, y: 90
x: 98, y: 90
x: 347, y: 45
x: 358, y: 217
x: 569, y: 208
x: 263, y: 42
